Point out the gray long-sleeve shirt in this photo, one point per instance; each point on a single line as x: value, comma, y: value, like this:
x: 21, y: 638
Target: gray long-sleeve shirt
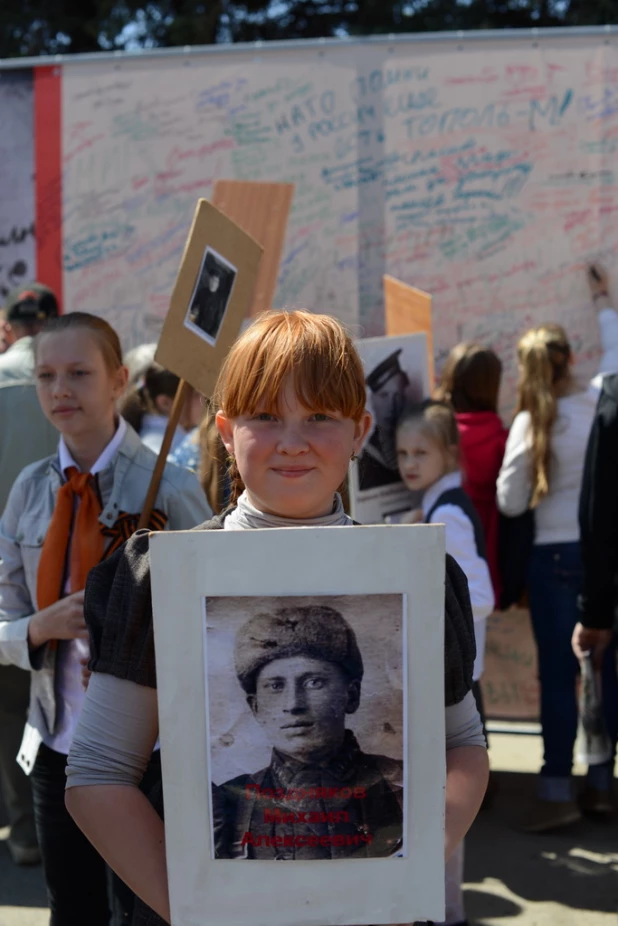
x: 119, y: 726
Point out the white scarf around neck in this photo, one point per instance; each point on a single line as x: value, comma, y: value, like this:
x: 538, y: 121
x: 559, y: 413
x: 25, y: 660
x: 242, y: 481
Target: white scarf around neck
x: 246, y: 516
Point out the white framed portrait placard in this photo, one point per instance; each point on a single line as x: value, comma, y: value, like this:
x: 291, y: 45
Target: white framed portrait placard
x: 301, y: 707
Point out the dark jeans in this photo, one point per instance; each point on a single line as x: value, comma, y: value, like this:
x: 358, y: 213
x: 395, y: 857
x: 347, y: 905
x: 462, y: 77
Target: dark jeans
x: 77, y: 878
x: 75, y: 873
x: 554, y: 583
x: 14, y: 784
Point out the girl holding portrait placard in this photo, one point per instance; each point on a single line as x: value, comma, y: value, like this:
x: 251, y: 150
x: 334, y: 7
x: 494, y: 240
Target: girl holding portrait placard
x: 291, y: 400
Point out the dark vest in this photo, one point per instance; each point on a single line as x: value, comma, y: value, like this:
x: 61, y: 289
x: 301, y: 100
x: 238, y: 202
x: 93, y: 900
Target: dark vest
x: 460, y: 498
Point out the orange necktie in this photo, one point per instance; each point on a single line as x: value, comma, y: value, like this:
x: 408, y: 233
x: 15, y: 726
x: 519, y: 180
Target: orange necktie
x: 86, y: 540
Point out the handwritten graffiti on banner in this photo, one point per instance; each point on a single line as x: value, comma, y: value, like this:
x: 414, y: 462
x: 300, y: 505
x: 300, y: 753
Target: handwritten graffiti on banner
x: 97, y: 246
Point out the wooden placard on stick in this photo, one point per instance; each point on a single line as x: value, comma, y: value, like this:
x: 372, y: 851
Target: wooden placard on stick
x: 407, y: 310
x: 262, y: 210
x: 211, y: 298
x: 209, y: 303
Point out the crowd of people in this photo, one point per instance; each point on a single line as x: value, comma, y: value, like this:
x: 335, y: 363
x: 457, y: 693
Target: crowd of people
x: 529, y: 512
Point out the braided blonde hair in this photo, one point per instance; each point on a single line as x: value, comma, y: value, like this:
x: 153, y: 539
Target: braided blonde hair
x: 544, y: 356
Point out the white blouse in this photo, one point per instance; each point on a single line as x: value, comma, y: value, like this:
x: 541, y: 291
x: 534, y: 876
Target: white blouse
x: 556, y: 516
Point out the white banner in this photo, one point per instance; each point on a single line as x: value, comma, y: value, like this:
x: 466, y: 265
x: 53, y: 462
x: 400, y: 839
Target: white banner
x: 17, y: 257
x: 482, y: 172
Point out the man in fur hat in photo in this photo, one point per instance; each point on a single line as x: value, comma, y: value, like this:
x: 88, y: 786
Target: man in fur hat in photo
x: 321, y: 797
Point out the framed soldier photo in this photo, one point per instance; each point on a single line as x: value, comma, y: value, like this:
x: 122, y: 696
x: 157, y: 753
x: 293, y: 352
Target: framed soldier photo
x: 397, y: 375
x: 306, y: 726
x: 211, y: 296
x: 301, y: 713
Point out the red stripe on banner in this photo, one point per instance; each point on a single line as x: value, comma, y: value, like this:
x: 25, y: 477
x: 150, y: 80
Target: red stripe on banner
x: 48, y: 176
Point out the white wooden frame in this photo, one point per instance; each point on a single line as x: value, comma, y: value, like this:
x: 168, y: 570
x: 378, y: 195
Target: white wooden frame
x: 187, y: 567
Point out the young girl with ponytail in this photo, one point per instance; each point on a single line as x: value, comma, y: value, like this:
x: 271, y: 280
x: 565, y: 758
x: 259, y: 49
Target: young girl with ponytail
x: 291, y: 413
x: 542, y: 469
x: 63, y: 516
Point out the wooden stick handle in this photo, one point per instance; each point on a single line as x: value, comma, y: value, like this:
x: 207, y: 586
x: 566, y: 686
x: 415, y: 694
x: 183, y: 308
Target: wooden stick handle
x: 180, y: 399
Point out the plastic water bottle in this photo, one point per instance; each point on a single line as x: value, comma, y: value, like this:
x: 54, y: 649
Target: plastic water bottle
x: 592, y: 746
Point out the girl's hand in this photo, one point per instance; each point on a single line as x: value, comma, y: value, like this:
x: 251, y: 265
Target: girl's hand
x: 413, y: 517
x: 63, y: 620
x: 585, y: 640
x: 598, y: 282
x: 86, y: 672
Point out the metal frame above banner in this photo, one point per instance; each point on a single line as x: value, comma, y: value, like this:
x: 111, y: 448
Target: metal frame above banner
x: 527, y: 36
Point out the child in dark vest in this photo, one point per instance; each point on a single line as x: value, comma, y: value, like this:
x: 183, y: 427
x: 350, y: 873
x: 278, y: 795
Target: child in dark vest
x: 428, y: 456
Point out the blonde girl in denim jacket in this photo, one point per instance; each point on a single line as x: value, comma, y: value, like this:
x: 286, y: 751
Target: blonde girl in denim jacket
x: 64, y: 515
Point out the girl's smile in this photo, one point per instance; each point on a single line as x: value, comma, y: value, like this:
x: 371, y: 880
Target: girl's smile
x: 292, y: 472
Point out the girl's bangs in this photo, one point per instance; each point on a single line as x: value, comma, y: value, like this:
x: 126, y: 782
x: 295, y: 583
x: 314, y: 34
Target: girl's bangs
x: 315, y: 350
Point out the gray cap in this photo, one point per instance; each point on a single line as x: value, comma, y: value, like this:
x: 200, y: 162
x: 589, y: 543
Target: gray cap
x: 316, y: 631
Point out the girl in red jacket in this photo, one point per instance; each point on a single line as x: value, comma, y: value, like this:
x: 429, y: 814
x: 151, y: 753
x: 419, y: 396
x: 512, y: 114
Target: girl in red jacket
x: 470, y: 383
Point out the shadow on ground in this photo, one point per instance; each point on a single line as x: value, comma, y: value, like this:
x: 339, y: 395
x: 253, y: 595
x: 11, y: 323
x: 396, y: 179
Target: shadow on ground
x: 576, y: 867
x: 20, y: 886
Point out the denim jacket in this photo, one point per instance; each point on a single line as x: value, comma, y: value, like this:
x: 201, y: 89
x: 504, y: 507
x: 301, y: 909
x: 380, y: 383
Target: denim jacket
x: 122, y: 487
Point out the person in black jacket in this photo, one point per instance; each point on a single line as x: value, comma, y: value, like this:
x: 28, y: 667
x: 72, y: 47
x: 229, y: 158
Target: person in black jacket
x: 598, y: 604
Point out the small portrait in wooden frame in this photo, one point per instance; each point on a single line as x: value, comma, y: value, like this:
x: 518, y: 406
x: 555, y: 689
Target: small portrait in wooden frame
x: 209, y: 302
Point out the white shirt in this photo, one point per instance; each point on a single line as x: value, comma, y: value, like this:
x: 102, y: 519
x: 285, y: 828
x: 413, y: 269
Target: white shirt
x: 461, y: 545
x: 153, y: 431
x: 69, y: 688
x: 17, y: 362
x: 556, y: 516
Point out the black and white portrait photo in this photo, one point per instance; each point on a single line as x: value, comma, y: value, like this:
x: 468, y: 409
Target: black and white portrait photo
x: 390, y: 389
x: 306, y: 726
x: 211, y: 296
x: 396, y: 375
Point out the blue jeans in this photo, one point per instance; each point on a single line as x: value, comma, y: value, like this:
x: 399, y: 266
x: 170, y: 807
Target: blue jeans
x: 554, y: 582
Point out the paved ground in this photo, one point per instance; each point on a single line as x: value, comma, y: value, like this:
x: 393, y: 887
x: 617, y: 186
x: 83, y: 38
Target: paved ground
x: 567, y: 879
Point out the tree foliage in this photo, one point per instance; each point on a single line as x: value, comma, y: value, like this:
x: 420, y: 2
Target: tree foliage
x: 35, y: 27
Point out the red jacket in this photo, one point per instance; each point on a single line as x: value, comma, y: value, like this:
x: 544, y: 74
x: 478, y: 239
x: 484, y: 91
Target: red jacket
x: 483, y: 439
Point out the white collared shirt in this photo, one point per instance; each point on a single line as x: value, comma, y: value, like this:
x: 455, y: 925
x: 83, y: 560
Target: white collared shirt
x: 66, y: 460
x: 69, y: 688
x: 461, y: 545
